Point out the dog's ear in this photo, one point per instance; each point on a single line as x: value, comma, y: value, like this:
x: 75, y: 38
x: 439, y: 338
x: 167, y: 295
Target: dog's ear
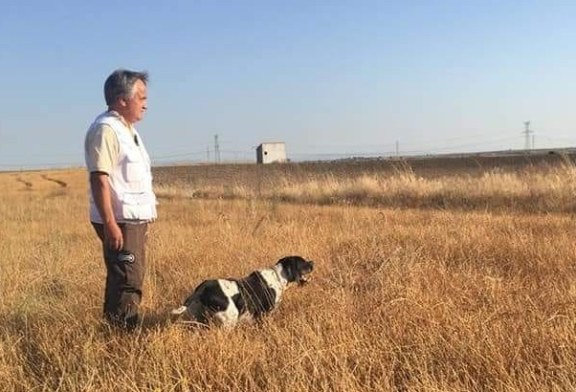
x: 294, y: 267
x: 289, y: 268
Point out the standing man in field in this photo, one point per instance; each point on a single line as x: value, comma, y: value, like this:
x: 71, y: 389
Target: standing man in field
x: 122, y: 201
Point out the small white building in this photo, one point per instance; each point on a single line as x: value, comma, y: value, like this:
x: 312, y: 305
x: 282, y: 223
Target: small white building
x: 271, y: 152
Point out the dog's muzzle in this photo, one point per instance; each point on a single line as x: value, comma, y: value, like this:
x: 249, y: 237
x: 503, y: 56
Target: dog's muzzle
x: 305, y: 277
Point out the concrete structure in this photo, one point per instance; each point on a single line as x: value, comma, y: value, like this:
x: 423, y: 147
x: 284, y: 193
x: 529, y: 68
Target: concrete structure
x: 271, y: 152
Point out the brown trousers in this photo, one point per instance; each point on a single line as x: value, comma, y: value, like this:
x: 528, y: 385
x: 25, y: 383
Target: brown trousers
x: 124, y: 274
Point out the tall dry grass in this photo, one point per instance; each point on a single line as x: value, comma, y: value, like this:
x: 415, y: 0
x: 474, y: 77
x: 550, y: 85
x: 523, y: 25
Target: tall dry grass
x: 529, y: 189
x: 402, y: 299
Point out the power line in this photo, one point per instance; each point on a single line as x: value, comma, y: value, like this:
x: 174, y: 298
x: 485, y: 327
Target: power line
x: 527, y: 132
x: 216, y: 149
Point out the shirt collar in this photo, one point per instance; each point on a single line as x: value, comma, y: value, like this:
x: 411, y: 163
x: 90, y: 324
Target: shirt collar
x: 119, y: 117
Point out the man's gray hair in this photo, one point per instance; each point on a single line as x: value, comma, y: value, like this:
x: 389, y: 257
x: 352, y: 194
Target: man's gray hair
x: 120, y: 84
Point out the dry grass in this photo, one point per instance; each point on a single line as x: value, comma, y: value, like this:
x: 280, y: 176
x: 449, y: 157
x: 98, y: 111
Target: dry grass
x: 450, y: 297
x: 529, y: 189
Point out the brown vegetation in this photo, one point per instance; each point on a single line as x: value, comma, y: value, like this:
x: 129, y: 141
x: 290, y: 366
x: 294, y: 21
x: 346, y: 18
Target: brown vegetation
x: 451, y: 282
x: 542, y: 184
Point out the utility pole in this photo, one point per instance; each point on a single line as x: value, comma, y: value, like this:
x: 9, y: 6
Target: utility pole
x: 397, y: 148
x: 207, y: 153
x: 216, y: 149
x: 527, y: 132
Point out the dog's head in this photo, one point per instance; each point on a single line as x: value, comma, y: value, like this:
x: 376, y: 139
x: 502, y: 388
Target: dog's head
x: 296, y: 269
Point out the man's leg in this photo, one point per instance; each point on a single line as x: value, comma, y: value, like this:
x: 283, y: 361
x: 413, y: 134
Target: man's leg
x: 125, y: 275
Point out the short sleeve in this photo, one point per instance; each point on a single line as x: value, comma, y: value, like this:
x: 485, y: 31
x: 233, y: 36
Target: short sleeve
x: 101, y: 149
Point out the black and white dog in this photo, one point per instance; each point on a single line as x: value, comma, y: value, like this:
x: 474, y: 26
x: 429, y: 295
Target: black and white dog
x: 226, y: 302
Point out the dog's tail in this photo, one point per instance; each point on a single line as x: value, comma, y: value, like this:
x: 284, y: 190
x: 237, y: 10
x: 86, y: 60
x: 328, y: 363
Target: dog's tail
x: 192, y: 307
x: 179, y: 310
x: 192, y: 311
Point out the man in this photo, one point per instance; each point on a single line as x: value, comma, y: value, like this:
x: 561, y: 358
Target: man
x: 122, y: 201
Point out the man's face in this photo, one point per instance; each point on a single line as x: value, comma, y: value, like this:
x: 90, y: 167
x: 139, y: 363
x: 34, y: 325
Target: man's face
x: 133, y: 108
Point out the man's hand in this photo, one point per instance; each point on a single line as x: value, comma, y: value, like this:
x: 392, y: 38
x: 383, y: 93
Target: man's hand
x: 113, y: 236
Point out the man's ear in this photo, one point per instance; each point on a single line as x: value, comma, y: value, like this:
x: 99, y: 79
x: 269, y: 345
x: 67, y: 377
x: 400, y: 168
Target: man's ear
x: 123, y: 102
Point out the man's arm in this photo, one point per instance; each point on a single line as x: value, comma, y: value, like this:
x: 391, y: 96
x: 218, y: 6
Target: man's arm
x: 103, y: 200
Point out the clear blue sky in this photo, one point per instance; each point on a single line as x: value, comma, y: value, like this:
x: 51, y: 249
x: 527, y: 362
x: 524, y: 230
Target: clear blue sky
x: 342, y: 77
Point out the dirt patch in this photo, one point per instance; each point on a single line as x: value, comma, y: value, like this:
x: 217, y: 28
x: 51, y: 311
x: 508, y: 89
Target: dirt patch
x: 63, y: 184
x: 28, y: 184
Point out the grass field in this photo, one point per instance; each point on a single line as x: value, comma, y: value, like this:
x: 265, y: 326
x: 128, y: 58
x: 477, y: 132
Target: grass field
x: 425, y: 280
